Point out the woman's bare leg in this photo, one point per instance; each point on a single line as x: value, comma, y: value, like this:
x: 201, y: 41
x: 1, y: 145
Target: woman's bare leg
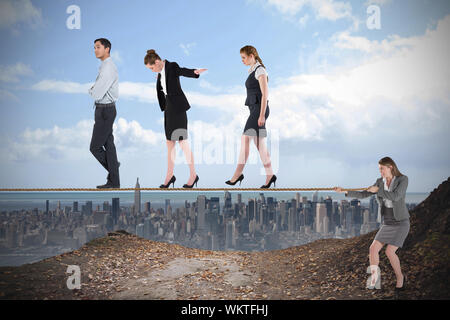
x: 243, y: 157
x: 395, y: 263
x: 184, y: 144
x: 170, y: 160
x: 374, y: 258
x: 265, y: 156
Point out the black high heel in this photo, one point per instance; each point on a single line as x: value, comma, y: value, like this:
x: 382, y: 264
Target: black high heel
x: 273, y: 179
x: 241, y: 177
x: 402, y: 288
x: 190, y: 186
x: 171, y: 181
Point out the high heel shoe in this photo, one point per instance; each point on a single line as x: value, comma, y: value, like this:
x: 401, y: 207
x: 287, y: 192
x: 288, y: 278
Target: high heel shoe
x: 241, y: 177
x: 171, y: 181
x: 402, y: 288
x: 273, y: 179
x: 190, y: 186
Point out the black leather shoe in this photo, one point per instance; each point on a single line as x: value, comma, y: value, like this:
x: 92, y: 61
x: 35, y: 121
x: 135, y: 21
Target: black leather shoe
x: 190, y: 186
x: 241, y: 177
x: 108, y: 186
x: 171, y: 181
x: 273, y: 179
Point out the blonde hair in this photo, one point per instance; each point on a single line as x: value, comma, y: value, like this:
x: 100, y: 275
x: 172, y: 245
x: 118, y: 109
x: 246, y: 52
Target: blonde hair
x: 151, y: 57
x: 386, y: 161
x: 248, y: 50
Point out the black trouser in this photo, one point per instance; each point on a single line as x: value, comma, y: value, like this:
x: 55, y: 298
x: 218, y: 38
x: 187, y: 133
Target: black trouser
x: 102, y: 142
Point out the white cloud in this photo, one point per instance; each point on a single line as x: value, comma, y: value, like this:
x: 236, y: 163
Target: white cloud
x: 303, y: 20
x: 12, y: 73
x: 73, y: 142
x: 187, y: 47
x: 323, y: 9
x: 62, y: 86
x: 141, y: 91
x: 14, y: 12
x: 6, y: 95
x: 116, y: 56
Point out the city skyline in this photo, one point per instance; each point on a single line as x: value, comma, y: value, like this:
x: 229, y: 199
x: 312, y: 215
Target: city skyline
x: 260, y: 223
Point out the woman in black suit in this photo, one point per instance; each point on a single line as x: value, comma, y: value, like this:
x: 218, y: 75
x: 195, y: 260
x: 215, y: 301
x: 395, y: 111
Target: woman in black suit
x: 173, y: 102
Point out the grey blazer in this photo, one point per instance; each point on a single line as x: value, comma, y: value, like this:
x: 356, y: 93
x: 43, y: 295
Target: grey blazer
x: 397, y: 196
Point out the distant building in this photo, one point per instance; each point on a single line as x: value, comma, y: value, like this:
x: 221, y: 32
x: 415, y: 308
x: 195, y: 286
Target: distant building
x: 115, y: 210
x: 137, y: 198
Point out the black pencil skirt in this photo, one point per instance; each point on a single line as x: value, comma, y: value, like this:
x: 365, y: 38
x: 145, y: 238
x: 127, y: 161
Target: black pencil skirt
x: 251, y: 126
x: 175, y: 125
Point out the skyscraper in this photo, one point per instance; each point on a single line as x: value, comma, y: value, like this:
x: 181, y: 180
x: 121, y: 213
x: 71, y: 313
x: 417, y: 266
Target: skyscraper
x: 262, y: 198
x: 291, y: 219
x: 137, y: 198
x: 201, y: 207
x: 298, y: 198
x: 373, y: 209
x: 227, y: 199
x: 147, y: 206
x: 315, y: 196
x: 321, y: 212
x: 89, y: 208
x: 115, y: 210
x: 251, y: 209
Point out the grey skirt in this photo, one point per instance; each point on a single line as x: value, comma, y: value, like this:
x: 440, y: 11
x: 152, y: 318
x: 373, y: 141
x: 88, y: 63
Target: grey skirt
x: 392, y: 231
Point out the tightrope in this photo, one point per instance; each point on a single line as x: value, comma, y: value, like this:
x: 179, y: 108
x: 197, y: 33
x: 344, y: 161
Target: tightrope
x: 173, y: 189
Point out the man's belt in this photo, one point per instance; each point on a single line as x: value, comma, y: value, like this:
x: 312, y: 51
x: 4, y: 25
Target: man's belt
x: 112, y: 104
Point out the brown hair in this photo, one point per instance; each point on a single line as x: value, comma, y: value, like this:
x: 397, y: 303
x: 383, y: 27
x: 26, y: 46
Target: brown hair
x: 151, y: 57
x: 386, y: 161
x: 248, y: 50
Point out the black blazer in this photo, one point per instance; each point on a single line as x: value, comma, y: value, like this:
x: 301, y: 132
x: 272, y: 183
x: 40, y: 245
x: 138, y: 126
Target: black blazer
x: 175, y: 96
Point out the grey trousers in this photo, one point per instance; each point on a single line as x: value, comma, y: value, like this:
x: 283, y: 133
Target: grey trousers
x: 102, y: 142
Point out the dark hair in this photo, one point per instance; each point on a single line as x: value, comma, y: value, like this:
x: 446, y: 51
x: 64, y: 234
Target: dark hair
x: 105, y: 42
x: 386, y: 161
x: 248, y: 50
x: 151, y: 57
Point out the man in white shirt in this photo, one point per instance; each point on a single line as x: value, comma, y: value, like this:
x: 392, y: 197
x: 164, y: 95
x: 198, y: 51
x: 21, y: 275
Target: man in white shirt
x: 105, y: 92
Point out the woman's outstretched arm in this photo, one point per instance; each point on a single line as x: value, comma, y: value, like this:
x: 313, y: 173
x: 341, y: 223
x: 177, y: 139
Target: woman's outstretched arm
x: 190, y: 73
x: 357, y: 194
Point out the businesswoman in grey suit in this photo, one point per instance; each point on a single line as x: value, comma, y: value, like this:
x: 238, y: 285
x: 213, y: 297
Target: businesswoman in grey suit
x: 173, y: 102
x: 390, y: 191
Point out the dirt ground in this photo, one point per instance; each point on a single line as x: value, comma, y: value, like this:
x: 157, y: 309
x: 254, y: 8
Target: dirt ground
x: 123, y: 266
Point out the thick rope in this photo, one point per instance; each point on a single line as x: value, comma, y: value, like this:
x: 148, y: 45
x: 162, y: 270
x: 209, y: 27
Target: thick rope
x: 174, y: 189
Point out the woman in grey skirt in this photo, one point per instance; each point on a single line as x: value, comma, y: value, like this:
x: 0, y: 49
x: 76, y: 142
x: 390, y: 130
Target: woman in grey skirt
x: 390, y: 191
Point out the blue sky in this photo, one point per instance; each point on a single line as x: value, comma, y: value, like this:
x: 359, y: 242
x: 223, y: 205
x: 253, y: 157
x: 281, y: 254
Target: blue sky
x: 342, y: 96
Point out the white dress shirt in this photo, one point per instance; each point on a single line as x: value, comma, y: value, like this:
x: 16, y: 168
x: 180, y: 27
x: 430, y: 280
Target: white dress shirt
x: 106, y: 86
x: 258, y: 72
x: 387, y: 202
x: 163, y: 78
